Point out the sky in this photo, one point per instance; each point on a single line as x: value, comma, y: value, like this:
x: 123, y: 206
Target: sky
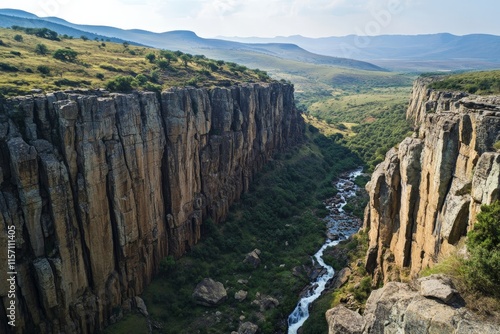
x: 269, y: 18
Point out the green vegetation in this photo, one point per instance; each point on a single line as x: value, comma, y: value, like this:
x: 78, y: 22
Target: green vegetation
x: 280, y: 215
x: 361, y: 119
x: 482, y: 268
x: 92, y: 64
x: 481, y: 83
x: 477, y: 276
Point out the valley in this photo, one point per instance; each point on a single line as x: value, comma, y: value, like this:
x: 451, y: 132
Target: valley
x: 168, y: 183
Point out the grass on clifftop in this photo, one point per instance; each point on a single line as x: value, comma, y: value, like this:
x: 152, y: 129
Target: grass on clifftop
x: 480, y: 83
x: 29, y: 62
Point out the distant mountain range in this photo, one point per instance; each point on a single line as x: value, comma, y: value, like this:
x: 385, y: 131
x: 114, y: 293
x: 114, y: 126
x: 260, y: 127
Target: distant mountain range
x: 185, y: 41
x: 408, y: 53
x: 403, y: 52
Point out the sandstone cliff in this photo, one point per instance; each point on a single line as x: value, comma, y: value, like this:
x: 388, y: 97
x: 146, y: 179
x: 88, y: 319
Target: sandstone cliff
x: 424, y: 197
x: 101, y: 187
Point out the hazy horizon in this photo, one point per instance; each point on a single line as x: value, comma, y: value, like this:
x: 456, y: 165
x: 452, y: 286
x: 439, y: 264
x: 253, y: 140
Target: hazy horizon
x: 276, y: 18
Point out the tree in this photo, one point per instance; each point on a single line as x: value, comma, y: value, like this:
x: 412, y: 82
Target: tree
x: 41, y: 49
x: 185, y: 59
x: 65, y: 55
x: 84, y: 38
x: 483, y: 242
x: 18, y: 38
x: 44, y: 69
x: 150, y: 57
x: 120, y: 83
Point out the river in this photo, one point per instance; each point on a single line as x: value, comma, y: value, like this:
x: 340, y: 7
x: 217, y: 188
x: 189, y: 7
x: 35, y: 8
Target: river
x: 339, y: 224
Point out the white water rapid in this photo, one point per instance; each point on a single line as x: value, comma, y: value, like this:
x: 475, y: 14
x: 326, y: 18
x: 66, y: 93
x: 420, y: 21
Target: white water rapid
x: 339, y: 223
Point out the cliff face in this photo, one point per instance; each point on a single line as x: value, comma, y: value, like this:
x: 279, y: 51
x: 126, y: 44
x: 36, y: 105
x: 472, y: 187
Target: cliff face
x: 100, y: 187
x: 424, y: 197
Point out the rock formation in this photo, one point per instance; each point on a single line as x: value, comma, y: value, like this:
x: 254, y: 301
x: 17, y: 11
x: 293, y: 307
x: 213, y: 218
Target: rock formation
x: 397, y: 308
x: 100, y: 187
x: 424, y: 197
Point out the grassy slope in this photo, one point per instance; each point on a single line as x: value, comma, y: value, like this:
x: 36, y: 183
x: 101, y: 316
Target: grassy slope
x: 95, y: 58
x: 481, y: 83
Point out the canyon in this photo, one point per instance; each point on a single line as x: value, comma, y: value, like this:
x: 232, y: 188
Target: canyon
x: 424, y: 198
x: 101, y: 187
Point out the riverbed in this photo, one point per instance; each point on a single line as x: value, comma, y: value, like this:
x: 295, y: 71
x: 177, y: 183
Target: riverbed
x: 340, y: 225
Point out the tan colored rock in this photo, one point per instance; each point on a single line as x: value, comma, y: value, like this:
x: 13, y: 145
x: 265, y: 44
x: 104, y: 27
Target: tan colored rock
x: 425, y: 196
x: 104, y: 186
x: 341, y: 320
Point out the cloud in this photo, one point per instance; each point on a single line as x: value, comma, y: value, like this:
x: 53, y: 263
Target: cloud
x: 220, y: 8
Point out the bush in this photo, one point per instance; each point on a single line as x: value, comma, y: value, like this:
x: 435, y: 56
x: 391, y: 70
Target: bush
x: 41, y: 49
x: 16, y: 53
x: 8, y: 68
x: 65, y: 55
x: 483, y: 266
x: 44, y: 69
x: 18, y: 38
x: 120, y: 84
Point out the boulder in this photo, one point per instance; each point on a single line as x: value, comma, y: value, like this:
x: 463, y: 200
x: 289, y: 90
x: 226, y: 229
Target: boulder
x: 141, y: 306
x: 253, y: 258
x: 341, y: 320
x: 265, y: 302
x: 437, y: 286
x: 248, y: 328
x: 240, y: 295
x: 209, y: 293
x: 341, y: 278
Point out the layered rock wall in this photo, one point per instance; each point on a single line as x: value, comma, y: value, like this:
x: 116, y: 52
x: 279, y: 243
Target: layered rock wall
x: 100, y: 187
x: 424, y: 197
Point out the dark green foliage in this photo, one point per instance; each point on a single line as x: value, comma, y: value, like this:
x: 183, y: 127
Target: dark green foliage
x: 99, y: 76
x: 65, y: 55
x: 110, y: 68
x: 18, y: 38
x: 2, y: 43
x: 16, y: 53
x: 374, y: 139
x: 151, y: 57
x: 39, y: 32
x: 44, y: 69
x: 120, y: 83
x: 362, y: 291
x: 8, y: 68
x: 483, y: 266
x: 72, y: 83
x: 84, y: 38
x: 482, y: 83
x: 41, y: 49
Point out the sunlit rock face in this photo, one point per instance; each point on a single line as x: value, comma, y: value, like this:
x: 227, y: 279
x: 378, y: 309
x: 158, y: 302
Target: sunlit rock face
x: 101, y: 187
x: 425, y: 196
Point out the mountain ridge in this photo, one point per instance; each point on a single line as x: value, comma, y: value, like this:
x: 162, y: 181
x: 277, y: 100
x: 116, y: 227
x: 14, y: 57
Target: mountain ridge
x: 188, y: 41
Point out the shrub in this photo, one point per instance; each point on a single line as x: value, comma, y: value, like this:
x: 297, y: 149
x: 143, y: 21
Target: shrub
x: 84, y: 38
x: 41, y: 49
x: 483, y: 266
x: 150, y: 57
x: 18, y: 38
x: 65, y: 55
x: 99, y: 76
x: 120, y: 83
x: 44, y: 69
x: 8, y: 68
x: 16, y: 53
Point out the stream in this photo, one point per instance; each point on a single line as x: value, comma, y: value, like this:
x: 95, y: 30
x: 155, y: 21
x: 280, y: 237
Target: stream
x: 340, y: 226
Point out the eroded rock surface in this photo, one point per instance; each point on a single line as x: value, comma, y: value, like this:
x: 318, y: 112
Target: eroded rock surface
x: 398, y: 309
x: 101, y: 187
x: 425, y: 195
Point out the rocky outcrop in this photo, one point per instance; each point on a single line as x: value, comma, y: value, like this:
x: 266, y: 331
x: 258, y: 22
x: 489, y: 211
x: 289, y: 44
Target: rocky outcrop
x: 397, y: 308
x: 424, y: 197
x: 100, y: 187
x: 209, y: 293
